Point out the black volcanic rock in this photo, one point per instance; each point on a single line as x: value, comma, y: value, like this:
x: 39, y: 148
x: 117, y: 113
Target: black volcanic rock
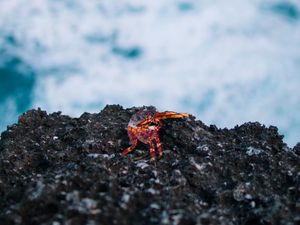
x: 60, y: 170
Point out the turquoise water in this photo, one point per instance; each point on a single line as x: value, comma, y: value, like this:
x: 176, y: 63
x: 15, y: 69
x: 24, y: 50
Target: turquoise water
x: 227, y: 62
x: 17, y: 83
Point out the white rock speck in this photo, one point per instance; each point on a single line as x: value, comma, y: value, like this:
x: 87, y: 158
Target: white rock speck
x: 154, y: 206
x: 253, y: 151
x: 142, y: 165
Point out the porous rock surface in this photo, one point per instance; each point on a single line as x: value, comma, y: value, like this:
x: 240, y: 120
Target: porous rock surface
x: 55, y: 169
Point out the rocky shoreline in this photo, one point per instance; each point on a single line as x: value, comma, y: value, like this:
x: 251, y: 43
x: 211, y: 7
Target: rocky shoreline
x: 55, y: 169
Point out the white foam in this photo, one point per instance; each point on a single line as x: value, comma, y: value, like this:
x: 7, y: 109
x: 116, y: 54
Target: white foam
x: 225, y: 63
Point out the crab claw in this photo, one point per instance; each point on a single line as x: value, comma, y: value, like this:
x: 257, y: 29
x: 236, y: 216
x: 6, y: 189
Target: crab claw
x: 170, y: 115
x: 161, y: 116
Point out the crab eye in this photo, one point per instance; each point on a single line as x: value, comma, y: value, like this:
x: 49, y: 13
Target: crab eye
x: 152, y: 124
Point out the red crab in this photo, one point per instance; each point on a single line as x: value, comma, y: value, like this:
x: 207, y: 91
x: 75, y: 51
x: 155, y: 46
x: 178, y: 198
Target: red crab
x: 144, y: 126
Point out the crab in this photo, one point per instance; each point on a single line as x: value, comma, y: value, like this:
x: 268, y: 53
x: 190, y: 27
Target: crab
x: 145, y: 125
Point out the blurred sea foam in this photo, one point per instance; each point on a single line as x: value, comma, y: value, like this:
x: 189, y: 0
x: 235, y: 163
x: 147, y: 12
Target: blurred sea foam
x: 227, y: 62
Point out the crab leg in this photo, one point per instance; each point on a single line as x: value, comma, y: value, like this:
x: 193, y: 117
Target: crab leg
x: 159, y: 148
x: 130, y: 148
x: 152, y: 150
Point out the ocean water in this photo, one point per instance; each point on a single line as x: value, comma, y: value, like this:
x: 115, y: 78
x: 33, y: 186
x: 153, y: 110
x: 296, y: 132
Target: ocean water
x: 226, y: 62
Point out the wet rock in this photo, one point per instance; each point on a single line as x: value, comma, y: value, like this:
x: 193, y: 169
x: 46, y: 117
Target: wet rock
x: 55, y: 169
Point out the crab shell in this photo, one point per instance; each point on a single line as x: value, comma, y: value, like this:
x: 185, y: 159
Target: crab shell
x: 147, y: 132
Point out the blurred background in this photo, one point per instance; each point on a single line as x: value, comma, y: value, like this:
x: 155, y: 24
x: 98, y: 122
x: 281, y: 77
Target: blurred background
x: 226, y: 62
